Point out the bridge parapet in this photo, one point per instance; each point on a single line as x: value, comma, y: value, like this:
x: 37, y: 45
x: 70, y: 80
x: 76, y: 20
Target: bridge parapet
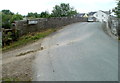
x: 25, y: 26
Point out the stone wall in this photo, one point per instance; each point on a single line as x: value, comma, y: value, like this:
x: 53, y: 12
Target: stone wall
x: 43, y: 23
x: 114, y: 25
x: 119, y: 28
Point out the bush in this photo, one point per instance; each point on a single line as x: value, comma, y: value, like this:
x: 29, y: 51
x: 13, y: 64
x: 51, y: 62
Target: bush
x: 9, y: 35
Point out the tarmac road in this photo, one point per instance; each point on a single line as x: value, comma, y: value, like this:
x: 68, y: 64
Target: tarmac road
x: 78, y: 52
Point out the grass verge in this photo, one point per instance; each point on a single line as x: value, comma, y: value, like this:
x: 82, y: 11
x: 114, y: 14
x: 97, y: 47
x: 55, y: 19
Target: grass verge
x: 29, y: 38
x: 10, y: 79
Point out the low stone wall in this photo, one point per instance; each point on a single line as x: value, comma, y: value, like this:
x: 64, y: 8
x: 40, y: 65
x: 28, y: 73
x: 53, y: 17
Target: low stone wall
x: 119, y: 28
x: 113, y: 26
x: 43, y: 23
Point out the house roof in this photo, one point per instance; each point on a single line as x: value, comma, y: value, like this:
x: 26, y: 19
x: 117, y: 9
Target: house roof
x: 91, y: 13
x: 106, y: 12
x: 81, y: 14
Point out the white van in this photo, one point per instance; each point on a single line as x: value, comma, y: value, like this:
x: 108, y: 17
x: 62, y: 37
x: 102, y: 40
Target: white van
x: 90, y: 19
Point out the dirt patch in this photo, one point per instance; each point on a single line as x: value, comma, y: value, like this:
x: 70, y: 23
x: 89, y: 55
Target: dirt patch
x: 18, y: 69
x: 17, y: 62
x: 17, y: 65
x: 28, y: 52
x: 21, y: 54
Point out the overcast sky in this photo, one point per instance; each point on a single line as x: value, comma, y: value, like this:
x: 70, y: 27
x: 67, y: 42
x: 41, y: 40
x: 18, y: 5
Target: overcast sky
x: 25, y: 6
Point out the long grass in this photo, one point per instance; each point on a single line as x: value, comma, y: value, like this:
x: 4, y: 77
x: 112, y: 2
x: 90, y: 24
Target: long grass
x: 29, y: 38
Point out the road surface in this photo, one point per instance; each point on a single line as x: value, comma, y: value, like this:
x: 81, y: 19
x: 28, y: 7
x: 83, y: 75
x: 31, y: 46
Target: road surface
x: 78, y: 52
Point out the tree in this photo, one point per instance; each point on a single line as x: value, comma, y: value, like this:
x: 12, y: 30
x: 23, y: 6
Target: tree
x: 16, y: 17
x: 117, y: 10
x: 45, y: 14
x: 63, y: 10
x: 7, y: 12
x: 33, y: 15
x: 6, y: 16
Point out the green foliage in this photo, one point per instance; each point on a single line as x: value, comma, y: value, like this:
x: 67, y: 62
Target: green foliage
x: 36, y: 15
x: 0, y: 20
x: 33, y: 15
x: 7, y: 80
x: 117, y: 10
x: 58, y: 11
x: 29, y: 38
x: 6, y: 20
x: 63, y: 10
x: 16, y: 17
x: 8, y: 17
x: 7, y: 12
x: 8, y: 36
x: 45, y: 14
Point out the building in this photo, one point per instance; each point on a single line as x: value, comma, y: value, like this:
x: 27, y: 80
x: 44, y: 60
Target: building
x: 102, y: 15
x: 82, y: 15
x: 91, y: 14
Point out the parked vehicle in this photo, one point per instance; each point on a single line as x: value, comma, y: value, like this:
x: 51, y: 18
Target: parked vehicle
x: 90, y: 19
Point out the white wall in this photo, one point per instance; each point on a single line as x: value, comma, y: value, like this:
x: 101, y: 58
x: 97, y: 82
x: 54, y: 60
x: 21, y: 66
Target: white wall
x: 101, y: 16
